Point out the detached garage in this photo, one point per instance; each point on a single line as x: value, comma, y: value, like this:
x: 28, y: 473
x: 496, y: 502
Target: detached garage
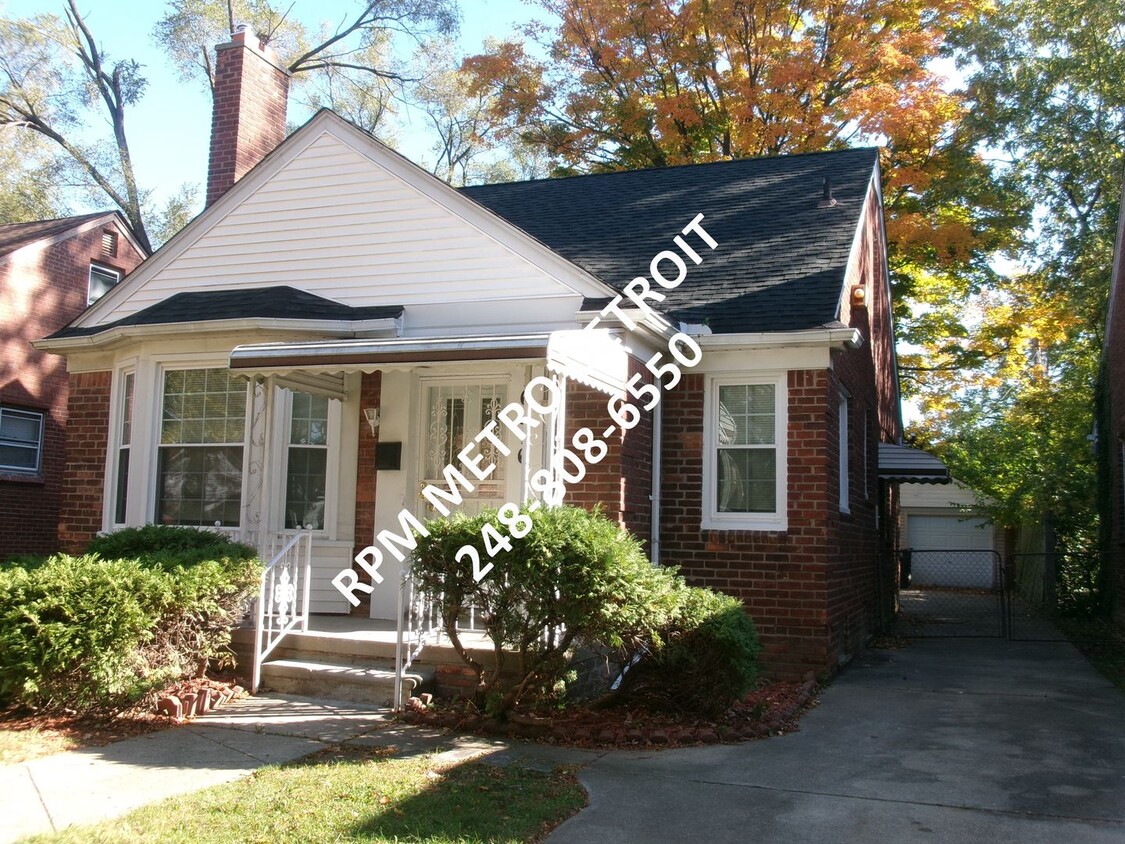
x: 950, y: 544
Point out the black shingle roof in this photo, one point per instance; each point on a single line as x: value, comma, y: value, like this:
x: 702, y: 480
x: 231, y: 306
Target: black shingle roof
x: 781, y: 260
x: 281, y: 302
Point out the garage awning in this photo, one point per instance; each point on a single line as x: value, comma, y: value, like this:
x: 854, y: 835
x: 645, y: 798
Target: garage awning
x: 904, y: 464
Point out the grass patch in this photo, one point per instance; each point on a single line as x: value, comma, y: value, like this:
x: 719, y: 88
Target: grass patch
x: 356, y: 794
x: 21, y: 745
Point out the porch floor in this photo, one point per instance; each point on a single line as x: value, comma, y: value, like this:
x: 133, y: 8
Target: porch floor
x: 358, y: 628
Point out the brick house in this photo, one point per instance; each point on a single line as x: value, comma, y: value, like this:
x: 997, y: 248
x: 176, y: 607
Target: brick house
x: 1111, y: 433
x: 315, y: 347
x: 50, y: 271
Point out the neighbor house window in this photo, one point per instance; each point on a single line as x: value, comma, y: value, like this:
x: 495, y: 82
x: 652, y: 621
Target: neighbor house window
x: 307, y: 471
x: 101, y: 280
x: 202, y: 434
x: 845, y: 477
x: 124, y: 441
x: 744, y: 469
x: 21, y: 440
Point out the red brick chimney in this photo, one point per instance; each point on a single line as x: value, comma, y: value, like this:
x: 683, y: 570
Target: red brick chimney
x: 248, y: 121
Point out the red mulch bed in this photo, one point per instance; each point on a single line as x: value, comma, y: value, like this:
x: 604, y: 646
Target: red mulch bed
x: 95, y: 730
x: 86, y: 730
x: 773, y: 709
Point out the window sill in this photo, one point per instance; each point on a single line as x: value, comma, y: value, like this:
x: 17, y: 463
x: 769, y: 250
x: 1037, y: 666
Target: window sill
x: 15, y: 478
x: 773, y: 525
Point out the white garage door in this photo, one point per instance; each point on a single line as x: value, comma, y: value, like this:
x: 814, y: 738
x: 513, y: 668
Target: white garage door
x: 944, y: 547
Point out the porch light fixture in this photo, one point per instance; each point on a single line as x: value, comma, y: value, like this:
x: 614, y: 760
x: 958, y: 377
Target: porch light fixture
x: 859, y: 297
x: 371, y: 414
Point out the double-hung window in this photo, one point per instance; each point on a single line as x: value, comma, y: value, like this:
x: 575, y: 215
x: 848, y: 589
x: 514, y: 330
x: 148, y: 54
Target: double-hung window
x: 21, y: 441
x: 307, y: 471
x: 202, y: 443
x: 745, y: 461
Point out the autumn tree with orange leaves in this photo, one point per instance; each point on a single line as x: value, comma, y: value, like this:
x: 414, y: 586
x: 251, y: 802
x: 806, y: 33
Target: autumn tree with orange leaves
x: 622, y: 85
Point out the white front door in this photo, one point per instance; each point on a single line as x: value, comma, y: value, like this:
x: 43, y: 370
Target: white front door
x: 454, y: 414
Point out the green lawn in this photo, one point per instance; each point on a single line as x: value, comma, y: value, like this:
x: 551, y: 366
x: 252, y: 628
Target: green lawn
x: 354, y: 794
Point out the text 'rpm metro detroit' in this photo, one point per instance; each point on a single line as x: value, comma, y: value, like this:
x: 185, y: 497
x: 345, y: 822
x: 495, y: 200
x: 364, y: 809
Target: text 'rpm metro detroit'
x: 542, y: 397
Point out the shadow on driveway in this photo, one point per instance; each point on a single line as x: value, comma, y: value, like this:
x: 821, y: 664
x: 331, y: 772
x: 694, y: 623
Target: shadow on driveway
x: 943, y: 741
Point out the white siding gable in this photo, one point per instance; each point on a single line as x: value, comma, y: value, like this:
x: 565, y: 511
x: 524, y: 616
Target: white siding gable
x: 336, y: 214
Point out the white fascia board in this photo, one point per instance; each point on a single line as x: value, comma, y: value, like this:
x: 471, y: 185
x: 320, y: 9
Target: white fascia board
x: 123, y: 333
x: 848, y: 338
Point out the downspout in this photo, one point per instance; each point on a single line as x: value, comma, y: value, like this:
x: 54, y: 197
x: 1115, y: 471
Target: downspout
x: 654, y: 496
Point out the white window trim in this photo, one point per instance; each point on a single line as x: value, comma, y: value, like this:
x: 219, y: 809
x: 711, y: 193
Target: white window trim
x: 712, y: 518
x: 844, y: 462
x: 94, y: 265
x: 279, y: 446
x: 118, y: 393
x: 21, y: 471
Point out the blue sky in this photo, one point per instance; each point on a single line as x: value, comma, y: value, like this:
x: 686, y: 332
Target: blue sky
x: 169, y: 128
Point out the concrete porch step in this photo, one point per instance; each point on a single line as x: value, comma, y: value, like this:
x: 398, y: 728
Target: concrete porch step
x: 370, y: 682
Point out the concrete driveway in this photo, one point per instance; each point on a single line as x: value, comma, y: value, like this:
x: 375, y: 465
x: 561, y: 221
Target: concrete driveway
x: 943, y: 741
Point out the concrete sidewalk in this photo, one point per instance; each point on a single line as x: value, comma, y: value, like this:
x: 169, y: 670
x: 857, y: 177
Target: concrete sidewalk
x: 943, y: 741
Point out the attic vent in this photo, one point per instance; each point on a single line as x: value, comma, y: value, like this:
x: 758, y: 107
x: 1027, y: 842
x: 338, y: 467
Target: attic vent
x: 826, y: 200
x: 109, y: 244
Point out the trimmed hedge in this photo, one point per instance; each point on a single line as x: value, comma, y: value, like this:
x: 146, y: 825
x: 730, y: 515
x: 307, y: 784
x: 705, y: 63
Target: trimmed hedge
x: 92, y: 632
x: 579, y: 573
x: 703, y: 660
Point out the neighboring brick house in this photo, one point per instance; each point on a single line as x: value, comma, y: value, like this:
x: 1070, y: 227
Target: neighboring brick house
x: 334, y: 328
x: 1111, y: 433
x: 50, y: 270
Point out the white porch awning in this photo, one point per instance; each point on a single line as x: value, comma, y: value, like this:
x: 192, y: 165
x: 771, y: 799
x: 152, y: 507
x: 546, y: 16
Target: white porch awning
x: 591, y: 356
x: 368, y: 355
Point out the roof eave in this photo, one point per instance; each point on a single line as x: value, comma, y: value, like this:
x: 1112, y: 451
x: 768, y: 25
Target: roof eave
x: 120, y: 334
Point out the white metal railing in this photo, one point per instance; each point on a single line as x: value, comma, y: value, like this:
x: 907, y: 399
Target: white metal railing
x: 283, y: 596
x: 418, y: 623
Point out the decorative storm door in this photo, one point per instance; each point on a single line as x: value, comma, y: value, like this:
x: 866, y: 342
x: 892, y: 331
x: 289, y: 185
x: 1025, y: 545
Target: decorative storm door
x: 455, y: 414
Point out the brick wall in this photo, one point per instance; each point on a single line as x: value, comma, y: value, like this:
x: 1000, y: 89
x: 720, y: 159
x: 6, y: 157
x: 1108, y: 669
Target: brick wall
x: 818, y: 588
x: 248, y: 115
x: 87, y: 436
x: 370, y: 393
x: 42, y: 288
x: 621, y: 483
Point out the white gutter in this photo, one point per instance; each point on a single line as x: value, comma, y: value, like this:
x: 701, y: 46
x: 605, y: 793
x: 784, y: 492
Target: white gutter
x: 260, y: 354
x: 850, y: 338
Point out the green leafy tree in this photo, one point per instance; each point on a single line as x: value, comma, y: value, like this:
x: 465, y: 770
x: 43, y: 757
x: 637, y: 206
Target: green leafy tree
x: 1006, y: 376
x: 59, y: 82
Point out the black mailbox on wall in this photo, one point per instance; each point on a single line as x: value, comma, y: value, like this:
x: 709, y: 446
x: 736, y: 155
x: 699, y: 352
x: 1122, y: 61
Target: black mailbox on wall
x: 388, y: 456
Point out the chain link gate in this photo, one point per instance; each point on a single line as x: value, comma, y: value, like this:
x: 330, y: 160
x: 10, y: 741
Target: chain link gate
x: 951, y: 593
x: 955, y: 593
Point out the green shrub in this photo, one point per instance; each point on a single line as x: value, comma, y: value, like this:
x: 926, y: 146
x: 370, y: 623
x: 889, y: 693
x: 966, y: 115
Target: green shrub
x: 704, y: 659
x: 574, y: 572
x: 72, y: 631
x: 90, y: 632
